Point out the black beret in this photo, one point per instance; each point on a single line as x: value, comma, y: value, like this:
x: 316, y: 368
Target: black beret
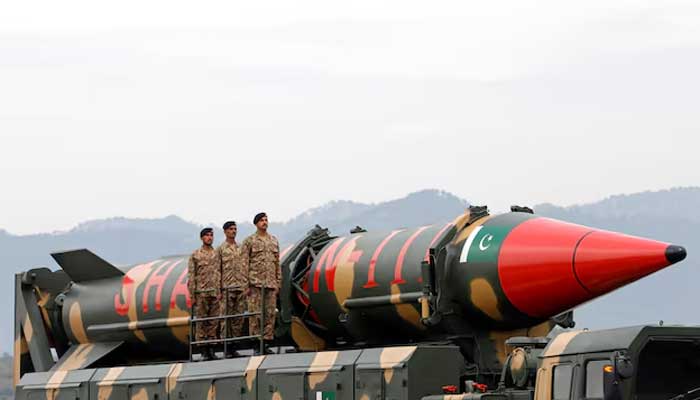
x: 205, y: 231
x: 229, y: 224
x: 258, y: 217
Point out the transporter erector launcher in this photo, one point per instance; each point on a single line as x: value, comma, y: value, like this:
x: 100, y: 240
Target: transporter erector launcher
x: 472, y: 282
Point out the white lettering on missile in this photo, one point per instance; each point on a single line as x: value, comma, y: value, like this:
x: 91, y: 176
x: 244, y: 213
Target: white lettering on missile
x: 468, y: 244
x: 488, y: 238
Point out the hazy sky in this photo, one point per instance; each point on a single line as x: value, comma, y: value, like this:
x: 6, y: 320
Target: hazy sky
x: 215, y: 110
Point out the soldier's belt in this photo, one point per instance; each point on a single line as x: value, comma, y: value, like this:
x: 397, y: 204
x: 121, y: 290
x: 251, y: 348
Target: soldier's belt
x: 205, y: 291
x: 261, y: 285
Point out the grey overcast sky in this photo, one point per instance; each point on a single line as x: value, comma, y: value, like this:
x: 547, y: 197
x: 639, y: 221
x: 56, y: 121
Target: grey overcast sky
x: 215, y: 110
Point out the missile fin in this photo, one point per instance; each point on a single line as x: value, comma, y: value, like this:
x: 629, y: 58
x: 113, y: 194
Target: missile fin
x: 83, y: 355
x: 83, y: 265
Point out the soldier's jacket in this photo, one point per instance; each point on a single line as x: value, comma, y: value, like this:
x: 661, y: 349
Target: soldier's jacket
x: 234, y: 273
x: 204, y: 270
x: 262, y: 256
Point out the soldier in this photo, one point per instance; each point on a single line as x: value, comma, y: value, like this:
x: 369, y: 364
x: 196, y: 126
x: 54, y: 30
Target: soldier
x: 260, y: 252
x: 234, y: 282
x: 204, y: 282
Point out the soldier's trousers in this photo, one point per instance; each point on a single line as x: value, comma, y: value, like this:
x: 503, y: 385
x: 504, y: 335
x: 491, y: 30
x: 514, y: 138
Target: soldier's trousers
x: 235, y: 302
x: 206, y: 305
x: 255, y: 303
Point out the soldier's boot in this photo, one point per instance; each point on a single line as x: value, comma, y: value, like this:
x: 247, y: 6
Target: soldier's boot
x: 208, y: 354
x: 266, y: 348
x: 231, y: 351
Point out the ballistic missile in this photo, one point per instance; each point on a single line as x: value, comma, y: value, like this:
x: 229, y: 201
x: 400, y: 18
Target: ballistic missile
x: 503, y: 272
x: 478, y: 279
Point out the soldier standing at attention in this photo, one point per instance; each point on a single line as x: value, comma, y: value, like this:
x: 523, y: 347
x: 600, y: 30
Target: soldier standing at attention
x: 260, y: 252
x: 204, y: 283
x: 234, y: 282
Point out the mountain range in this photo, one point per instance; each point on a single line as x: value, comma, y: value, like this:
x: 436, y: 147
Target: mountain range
x: 668, y: 215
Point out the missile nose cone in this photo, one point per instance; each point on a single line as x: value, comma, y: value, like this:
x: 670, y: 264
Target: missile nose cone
x: 675, y: 254
x: 604, y: 260
x: 548, y: 266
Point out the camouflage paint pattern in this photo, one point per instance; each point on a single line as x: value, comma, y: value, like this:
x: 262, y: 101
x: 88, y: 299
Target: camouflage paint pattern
x: 500, y: 275
x: 379, y: 266
x: 579, y: 347
x: 234, y: 302
x: 382, y: 270
x: 407, y: 372
x: 256, y: 297
x: 260, y: 254
x: 148, y: 308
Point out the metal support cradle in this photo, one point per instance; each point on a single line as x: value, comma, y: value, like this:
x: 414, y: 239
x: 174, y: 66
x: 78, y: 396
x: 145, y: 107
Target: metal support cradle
x: 224, y: 339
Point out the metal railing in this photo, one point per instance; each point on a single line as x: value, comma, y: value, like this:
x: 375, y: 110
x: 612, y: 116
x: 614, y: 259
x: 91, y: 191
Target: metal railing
x: 223, y: 316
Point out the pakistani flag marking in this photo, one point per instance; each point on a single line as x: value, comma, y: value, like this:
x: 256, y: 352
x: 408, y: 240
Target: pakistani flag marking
x: 488, y: 238
x: 484, y: 244
x: 468, y: 244
x: 325, y: 395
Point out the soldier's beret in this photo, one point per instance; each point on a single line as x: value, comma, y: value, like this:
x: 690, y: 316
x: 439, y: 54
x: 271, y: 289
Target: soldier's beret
x: 229, y: 224
x: 205, y: 231
x: 258, y: 217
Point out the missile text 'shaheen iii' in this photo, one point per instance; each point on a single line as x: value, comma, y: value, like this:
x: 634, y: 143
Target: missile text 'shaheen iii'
x: 473, y: 282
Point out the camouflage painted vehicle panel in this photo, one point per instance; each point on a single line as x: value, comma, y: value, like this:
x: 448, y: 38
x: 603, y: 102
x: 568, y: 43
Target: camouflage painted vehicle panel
x: 407, y: 372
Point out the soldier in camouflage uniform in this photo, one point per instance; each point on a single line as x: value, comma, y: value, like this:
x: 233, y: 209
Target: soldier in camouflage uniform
x: 204, y: 283
x: 260, y: 252
x: 234, y: 281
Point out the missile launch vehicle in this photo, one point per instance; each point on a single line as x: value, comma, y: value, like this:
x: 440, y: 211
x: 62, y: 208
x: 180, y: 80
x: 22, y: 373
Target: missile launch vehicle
x: 402, y: 314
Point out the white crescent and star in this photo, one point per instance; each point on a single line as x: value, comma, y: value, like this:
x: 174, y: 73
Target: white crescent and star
x: 484, y: 243
x: 487, y: 238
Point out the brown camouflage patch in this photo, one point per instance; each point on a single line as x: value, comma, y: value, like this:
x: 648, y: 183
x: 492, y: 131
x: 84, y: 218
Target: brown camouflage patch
x: 391, y: 357
x: 137, y: 275
x: 461, y: 221
x: 140, y: 395
x: 345, y: 272
x: 173, y: 375
x: 557, y: 346
x: 320, y: 366
x: 43, y: 298
x: 498, y: 338
x: 76, y: 323
x: 407, y: 312
x: 27, y: 326
x: 304, y: 338
x: 104, y: 387
x: 17, y: 355
x: 484, y: 298
x: 211, y: 393
x: 77, y: 358
x: 251, y: 371
x: 179, y: 324
x: 464, y: 233
x: 53, y: 384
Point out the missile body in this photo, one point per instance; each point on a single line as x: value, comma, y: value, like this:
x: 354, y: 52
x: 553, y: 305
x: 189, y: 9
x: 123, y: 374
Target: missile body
x: 147, y: 307
x: 502, y: 272
x: 490, y: 274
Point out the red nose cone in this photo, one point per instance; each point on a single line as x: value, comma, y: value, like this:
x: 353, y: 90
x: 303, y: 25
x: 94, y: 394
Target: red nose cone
x: 606, y: 260
x: 548, y: 266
